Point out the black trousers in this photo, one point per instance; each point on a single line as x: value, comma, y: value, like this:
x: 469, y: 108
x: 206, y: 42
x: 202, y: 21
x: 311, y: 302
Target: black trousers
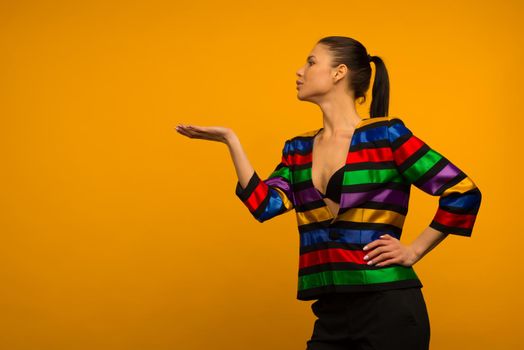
x: 378, y: 320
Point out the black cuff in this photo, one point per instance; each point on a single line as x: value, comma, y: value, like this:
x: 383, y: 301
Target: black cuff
x: 244, y: 193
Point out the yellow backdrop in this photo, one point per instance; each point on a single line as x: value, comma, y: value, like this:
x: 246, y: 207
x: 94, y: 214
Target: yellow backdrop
x: 119, y: 233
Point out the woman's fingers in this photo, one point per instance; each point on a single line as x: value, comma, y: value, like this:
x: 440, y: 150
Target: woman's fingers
x: 184, y: 131
x: 192, y: 133
x: 214, y: 133
x: 375, y: 252
x: 387, y: 262
x: 187, y: 129
x: 381, y: 257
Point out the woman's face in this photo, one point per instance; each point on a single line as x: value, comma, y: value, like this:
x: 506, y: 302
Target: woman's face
x: 315, y: 77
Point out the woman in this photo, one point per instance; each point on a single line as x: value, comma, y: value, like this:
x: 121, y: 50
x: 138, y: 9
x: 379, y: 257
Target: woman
x: 349, y: 183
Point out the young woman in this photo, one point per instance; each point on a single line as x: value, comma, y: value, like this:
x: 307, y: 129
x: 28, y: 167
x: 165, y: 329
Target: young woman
x: 349, y: 183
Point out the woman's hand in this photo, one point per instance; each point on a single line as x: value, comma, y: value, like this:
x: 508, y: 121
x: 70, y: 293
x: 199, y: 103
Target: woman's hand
x: 388, y: 250
x: 213, y: 133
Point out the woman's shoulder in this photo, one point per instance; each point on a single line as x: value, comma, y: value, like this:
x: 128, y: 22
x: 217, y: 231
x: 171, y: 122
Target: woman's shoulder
x: 302, y: 136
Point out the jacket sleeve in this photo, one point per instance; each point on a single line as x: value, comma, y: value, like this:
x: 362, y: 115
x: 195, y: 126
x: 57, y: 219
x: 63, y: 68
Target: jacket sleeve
x: 434, y: 174
x: 271, y: 197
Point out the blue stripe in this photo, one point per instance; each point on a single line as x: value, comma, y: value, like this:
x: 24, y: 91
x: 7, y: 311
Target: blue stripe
x: 300, y: 146
x: 274, y: 206
x: 462, y: 200
x: 346, y: 236
x: 370, y: 135
x: 396, y: 130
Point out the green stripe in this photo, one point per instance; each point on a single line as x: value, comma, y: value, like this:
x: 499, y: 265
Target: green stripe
x: 356, y: 177
x: 422, y: 165
x: 302, y: 175
x: 284, y: 172
x: 341, y: 277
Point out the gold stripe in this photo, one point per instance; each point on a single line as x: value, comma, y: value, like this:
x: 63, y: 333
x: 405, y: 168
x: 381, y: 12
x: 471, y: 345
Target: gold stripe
x: 367, y: 121
x: 463, y: 186
x: 315, y: 215
x: 366, y: 215
x: 287, y: 203
x: 308, y: 133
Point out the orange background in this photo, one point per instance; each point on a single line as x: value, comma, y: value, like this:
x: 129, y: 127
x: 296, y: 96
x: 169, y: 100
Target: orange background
x: 119, y: 233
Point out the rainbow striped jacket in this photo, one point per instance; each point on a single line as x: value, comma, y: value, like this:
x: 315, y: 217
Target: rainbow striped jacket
x: 383, y: 161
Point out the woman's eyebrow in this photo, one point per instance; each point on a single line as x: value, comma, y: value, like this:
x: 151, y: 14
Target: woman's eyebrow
x: 310, y: 56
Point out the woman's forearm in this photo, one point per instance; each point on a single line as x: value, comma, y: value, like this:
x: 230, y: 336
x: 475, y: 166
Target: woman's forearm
x: 426, y: 241
x: 243, y: 167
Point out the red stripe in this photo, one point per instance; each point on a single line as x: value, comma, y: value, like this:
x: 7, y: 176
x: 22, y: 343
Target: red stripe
x: 371, y: 155
x: 332, y: 255
x: 299, y: 159
x: 257, y: 196
x: 454, y: 220
x: 285, y: 160
x: 407, y: 149
x: 365, y: 155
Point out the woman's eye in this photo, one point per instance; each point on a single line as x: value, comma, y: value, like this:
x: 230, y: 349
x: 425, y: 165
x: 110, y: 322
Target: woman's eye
x: 310, y: 63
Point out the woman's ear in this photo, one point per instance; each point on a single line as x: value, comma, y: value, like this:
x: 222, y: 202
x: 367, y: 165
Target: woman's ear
x: 340, y: 72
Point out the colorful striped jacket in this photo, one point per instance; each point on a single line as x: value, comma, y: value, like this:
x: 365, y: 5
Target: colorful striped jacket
x: 383, y: 160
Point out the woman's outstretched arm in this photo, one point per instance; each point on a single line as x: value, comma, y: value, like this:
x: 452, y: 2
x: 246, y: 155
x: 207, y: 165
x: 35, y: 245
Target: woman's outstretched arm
x: 243, y: 167
x: 266, y: 198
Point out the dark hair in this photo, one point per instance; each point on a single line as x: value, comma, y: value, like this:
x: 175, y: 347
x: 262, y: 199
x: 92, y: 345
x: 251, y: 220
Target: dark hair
x: 354, y: 55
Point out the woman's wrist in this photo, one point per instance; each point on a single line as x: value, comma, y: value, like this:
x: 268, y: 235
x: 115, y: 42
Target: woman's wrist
x: 230, y: 137
x: 416, y: 250
x: 426, y: 241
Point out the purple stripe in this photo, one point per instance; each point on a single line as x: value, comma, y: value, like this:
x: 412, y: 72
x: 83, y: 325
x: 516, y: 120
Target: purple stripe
x: 350, y: 200
x: 307, y: 195
x: 388, y: 196
x: 281, y: 183
x: 448, y: 173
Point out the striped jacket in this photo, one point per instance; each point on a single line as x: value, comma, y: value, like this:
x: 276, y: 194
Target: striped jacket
x: 383, y: 161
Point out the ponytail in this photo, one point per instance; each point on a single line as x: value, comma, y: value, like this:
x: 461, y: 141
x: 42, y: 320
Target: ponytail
x: 380, y: 92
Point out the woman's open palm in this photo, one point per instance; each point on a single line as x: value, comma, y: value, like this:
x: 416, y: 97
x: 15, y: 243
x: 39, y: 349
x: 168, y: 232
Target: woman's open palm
x: 213, y: 133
